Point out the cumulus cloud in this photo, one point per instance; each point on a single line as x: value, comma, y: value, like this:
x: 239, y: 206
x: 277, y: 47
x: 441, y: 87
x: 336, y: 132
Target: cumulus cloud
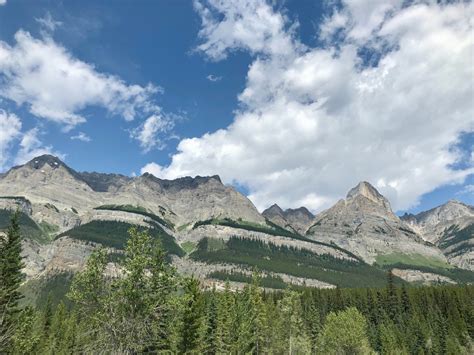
x: 10, y: 130
x: 3, y: 2
x: 148, y: 134
x: 315, y: 121
x: 31, y: 146
x: 56, y: 86
x: 249, y: 24
x: 81, y: 136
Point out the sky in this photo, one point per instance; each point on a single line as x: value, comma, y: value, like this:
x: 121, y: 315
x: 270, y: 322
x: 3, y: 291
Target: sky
x: 292, y: 102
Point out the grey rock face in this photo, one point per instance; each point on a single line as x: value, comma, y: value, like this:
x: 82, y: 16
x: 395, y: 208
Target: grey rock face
x: 450, y: 227
x: 104, y: 182
x: 297, y: 220
x: 432, y: 223
x: 364, y: 224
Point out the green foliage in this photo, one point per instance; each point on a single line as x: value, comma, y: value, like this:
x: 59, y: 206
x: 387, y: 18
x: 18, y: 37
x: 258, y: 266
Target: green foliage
x: 28, y: 227
x: 271, y: 229
x: 10, y: 280
x: 50, y: 230
x: 194, y: 321
x: 414, y: 260
x: 138, y: 210
x: 115, y: 234
x: 289, y: 260
x: 37, y: 290
x: 344, y: 332
x: 151, y: 309
x: 133, y: 313
x: 188, y: 247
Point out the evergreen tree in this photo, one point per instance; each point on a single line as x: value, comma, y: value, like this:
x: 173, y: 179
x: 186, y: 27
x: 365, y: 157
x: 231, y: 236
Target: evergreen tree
x: 211, y: 323
x: 132, y: 313
x: 192, y: 340
x: 314, y: 325
x: 10, y: 280
x: 293, y: 326
x: 26, y: 338
x: 252, y: 323
x: 392, y: 298
x: 345, y: 332
x: 225, y: 321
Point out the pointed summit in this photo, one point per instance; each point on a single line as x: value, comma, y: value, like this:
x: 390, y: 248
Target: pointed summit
x: 366, y: 190
x: 272, y: 211
x: 40, y: 161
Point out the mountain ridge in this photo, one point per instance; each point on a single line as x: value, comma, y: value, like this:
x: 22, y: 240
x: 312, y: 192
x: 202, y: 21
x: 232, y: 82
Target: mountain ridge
x: 67, y: 204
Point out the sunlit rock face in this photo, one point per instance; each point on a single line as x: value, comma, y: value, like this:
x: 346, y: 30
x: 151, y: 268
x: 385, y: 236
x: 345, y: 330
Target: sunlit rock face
x: 364, y: 224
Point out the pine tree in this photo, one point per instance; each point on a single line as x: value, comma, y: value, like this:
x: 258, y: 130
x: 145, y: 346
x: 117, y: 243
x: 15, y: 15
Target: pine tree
x: 345, y: 332
x: 211, y: 323
x: 136, y: 312
x: 252, y: 330
x: 26, y: 338
x: 225, y: 321
x: 314, y: 326
x: 392, y: 298
x: 10, y: 280
x: 293, y: 326
x: 192, y: 340
x: 406, y: 305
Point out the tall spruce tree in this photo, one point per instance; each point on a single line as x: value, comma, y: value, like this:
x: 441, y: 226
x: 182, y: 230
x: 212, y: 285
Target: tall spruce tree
x: 10, y: 280
x: 193, y: 332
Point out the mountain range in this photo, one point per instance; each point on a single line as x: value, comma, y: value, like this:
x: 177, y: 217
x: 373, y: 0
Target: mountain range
x: 214, y: 232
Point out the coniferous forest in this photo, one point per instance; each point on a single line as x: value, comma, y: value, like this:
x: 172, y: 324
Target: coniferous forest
x: 149, y: 308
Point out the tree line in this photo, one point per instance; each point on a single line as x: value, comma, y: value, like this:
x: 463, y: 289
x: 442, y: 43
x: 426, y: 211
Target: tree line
x: 149, y: 308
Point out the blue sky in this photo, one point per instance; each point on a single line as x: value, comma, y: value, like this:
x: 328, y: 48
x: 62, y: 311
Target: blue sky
x: 292, y: 101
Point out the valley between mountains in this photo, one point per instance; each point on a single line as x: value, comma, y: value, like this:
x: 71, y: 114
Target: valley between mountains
x: 212, y: 231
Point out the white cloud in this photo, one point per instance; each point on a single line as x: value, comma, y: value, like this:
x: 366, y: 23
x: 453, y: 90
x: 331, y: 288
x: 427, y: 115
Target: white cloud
x: 3, y: 2
x: 359, y: 18
x: 467, y: 189
x: 247, y: 24
x: 47, y: 23
x: 81, y: 136
x: 315, y: 121
x: 56, y: 86
x: 148, y: 134
x: 213, y: 78
x: 10, y: 129
x: 31, y: 146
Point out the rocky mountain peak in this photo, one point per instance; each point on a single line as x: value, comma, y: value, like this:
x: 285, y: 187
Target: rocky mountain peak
x: 449, y: 211
x: 366, y: 190
x: 182, y: 183
x: 293, y: 219
x: 273, y: 210
x: 302, y: 211
x: 46, y: 159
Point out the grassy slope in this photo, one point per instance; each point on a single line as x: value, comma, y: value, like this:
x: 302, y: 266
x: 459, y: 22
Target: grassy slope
x: 271, y: 229
x: 411, y: 259
x: 29, y: 228
x: 115, y: 234
x: 422, y: 263
x: 292, y: 261
x: 138, y: 210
